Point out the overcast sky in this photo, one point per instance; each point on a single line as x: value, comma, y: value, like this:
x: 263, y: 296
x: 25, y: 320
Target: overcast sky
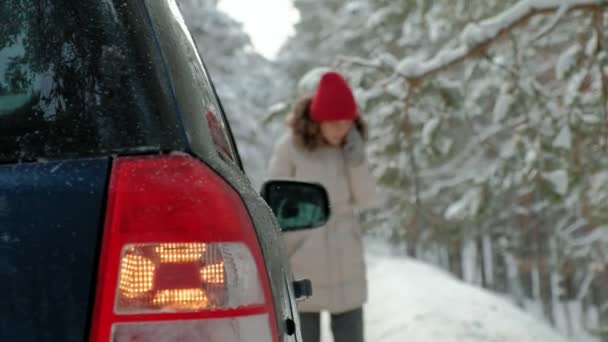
x: 268, y: 22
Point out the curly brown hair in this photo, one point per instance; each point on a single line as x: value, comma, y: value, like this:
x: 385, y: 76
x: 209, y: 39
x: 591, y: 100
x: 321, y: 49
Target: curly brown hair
x: 307, y: 132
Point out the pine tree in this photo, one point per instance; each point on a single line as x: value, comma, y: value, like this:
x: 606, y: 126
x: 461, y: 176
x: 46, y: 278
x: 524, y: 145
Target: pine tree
x: 488, y: 137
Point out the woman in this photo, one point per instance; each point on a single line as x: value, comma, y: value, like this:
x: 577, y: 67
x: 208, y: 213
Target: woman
x: 325, y: 144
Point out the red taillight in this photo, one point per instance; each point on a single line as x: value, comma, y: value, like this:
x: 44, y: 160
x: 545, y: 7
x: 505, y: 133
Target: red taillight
x: 180, y: 259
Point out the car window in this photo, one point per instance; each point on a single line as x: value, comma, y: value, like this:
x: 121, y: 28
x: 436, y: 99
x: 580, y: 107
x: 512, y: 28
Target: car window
x: 86, y: 89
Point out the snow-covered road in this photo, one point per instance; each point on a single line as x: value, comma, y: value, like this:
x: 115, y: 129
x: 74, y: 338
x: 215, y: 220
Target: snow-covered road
x: 414, y: 302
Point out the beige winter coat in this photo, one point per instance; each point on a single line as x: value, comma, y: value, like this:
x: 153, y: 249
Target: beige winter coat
x: 332, y: 256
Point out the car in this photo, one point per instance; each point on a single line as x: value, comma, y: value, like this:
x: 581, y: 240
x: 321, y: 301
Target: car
x: 125, y: 212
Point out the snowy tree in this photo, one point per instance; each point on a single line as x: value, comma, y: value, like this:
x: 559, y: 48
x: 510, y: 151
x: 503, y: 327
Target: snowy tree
x: 488, y: 138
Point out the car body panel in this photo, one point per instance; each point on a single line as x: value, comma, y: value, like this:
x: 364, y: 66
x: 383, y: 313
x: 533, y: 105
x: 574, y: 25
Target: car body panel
x: 50, y: 215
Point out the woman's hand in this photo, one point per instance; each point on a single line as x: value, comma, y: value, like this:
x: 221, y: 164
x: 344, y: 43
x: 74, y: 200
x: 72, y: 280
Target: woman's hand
x: 354, y: 148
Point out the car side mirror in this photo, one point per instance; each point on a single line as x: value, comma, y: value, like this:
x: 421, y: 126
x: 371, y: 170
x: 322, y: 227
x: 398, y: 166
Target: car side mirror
x: 297, y: 205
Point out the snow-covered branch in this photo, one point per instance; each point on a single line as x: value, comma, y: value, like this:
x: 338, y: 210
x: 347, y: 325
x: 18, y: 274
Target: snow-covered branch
x: 477, y: 37
x: 376, y: 64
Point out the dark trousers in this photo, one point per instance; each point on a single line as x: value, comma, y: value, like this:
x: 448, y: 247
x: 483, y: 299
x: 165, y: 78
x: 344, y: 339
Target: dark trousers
x: 346, y: 327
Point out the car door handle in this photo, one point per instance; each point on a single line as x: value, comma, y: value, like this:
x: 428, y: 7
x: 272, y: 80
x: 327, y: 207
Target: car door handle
x: 302, y: 289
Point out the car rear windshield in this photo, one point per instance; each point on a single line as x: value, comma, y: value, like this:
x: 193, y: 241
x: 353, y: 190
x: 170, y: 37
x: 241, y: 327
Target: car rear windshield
x: 77, y: 78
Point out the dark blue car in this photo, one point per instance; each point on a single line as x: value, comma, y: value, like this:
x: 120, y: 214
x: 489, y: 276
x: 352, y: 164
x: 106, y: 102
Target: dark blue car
x: 125, y: 214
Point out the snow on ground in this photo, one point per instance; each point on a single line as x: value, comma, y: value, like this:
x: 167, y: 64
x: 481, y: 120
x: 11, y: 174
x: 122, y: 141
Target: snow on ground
x: 414, y: 302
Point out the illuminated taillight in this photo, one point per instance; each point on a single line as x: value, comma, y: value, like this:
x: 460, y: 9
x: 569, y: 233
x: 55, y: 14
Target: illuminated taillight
x: 169, y: 277
x: 180, y: 259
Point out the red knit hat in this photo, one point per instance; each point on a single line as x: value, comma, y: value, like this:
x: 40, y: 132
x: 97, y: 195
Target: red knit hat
x: 334, y: 100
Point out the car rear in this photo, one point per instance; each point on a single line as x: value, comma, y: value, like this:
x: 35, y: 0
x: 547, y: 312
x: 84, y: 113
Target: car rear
x: 124, y: 214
